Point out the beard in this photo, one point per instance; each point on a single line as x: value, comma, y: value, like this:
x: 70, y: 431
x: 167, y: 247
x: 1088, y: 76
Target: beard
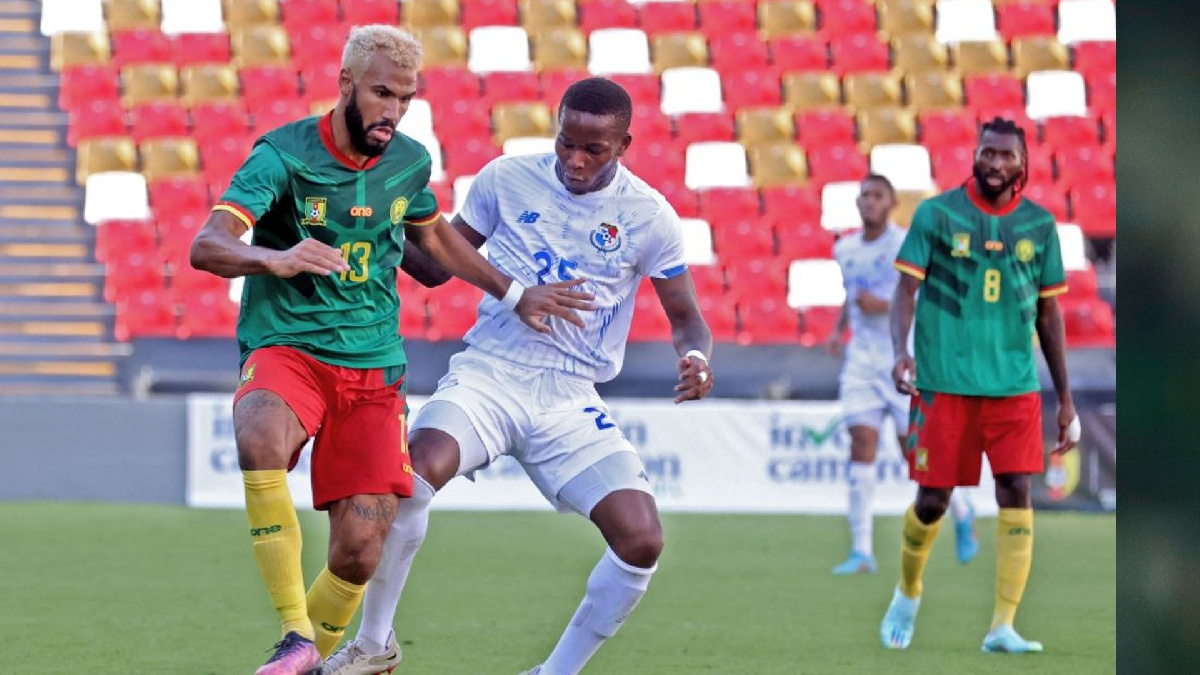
x: 986, y: 189
x: 359, y: 132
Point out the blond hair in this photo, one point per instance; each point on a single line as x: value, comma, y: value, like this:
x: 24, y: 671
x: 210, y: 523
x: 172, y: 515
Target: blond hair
x: 365, y: 41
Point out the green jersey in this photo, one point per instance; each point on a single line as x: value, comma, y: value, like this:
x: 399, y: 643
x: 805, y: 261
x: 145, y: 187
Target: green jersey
x: 296, y: 184
x: 983, y: 271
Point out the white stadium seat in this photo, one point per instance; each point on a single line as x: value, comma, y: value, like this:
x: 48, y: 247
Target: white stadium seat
x: 115, y: 195
x: 907, y: 166
x: 1055, y: 93
x: 72, y: 16
x: 716, y: 164
x: 1087, y: 20
x: 965, y: 21
x: 618, y: 51
x: 499, y: 49
x: 691, y: 90
x: 192, y: 16
x: 697, y: 242
x: 815, y: 283
x: 839, y: 210
x: 1074, y: 248
x: 528, y: 145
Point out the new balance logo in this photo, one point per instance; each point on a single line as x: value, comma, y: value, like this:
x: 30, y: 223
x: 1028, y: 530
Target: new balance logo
x: 528, y: 217
x: 260, y: 531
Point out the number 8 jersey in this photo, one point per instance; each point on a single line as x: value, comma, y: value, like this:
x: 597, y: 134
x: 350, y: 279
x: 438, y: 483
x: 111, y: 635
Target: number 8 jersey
x: 982, y: 273
x: 538, y: 232
x: 297, y: 185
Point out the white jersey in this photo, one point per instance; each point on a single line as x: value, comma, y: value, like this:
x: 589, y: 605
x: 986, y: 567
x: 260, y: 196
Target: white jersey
x: 867, y: 266
x: 538, y: 232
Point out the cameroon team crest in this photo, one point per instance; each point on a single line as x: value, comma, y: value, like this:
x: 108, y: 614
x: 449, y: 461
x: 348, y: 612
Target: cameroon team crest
x: 606, y: 237
x: 399, y: 207
x: 962, y: 246
x: 1025, y: 250
x: 248, y: 375
x: 314, y: 212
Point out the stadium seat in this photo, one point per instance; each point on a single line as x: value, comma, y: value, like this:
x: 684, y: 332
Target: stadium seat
x: 498, y: 48
x: 81, y: 85
x: 751, y: 87
x: 141, y: 46
x: 778, y: 164
x: 158, y: 119
x: 947, y: 127
x: 115, y: 195
x: 732, y: 50
x: 527, y: 145
x: 709, y: 279
x: 322, y: 45
x: 177, y: 236
x: 917, y: 53
x: 764, y: 125
x: 907, y: 202
x: 698, y: 127
x: 790, y: 204
x: 79, y: 49
x: 260, y: 45
x: 658, y: 162
x: 1023, y: 19
x: 210, y: 83
x: 644, y: 88
x: 116, y: 236
x: 178, y: 194
x: 667, y: 17
x: 1083, y: 165
x: 649, y: 123
x: 1063, y: 132
x: 847, y: 17
x: 448, y: 85
x: 196, y: 48
x: 839, y: 211
x: 1055, y: 94
x: 467, y: 156
x: 1039, y: 53
x: 777, y: 18
x: 678, y: 196
x: 934, y: 89
x: 512, y: 120
x: 723, y: 205
x: 711, y: 165
x: 169, y: 158
x: 147, y: 313
x: 799, y: 239
x: 815, y: 283
x: 995, y: 90
x: 678, y: 50
x: 691, y: 90
x: 509, y: 87
x: 423, y: 13
x: 99, y: 118
x: 1102, y: 92
x: 275, y: 114
x: 1095, y: 209
x: 263, y: 85
x: 965, y: 21
x: 96, y: 155
x: 905, y: 17
x: 952, y: 164
x: 418, y: 121
x: 599, y: 14
x: 559, y: 48
x: 442, y: 46
x: 1074, y: 254
x: 207, y: 315
x: 721, y: 17
x: 192, y: 16
x: 872, y: 90
x: 130, y: 272
x: 721, y: 315
x: 480, y: 13
x: 762, y: 277
x: 241, y: 14
x: 71, y: 16
x: 302, y: 13
x: 878, y: 126
x: 618, y: 50
x: 767, y: 320
x: 148, y: 82
x: 363, y: 12
x: 858, y: 53
x: 979, y: 58
x: 908, y: 167
x: 1087, y: 20
x: 697, y: 241
x: 1095, y: 58
x: 1088, y: 322
x: 1048, y: 196
x: 811, y: 89
x: 555, y: 81
x: 817, y: 324
x: 826, y: 126
x: 799, y: 52
x: 1081, y: 283
x: 835, y: 163
x: 650, y: 323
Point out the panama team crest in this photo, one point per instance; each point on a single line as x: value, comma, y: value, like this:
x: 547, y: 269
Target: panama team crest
x: 606, y: 238
x: 314, y: 212
x: 1025, y: 250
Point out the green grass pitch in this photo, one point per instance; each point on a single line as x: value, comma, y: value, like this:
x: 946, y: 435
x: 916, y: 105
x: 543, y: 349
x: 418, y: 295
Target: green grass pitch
x: 115, y: 589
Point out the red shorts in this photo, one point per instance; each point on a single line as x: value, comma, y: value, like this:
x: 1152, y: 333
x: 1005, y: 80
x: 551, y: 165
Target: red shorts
x: 949, y: 434
x: 356, y: 415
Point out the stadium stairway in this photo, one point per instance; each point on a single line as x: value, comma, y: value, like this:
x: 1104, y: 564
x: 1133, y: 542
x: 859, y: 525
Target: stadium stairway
x: 55, y: 328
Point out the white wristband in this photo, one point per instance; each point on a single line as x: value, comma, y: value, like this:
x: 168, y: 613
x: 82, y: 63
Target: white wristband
x: 698, y: 354
x: 513, y: 295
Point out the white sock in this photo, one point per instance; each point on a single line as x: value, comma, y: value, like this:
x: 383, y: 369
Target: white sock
x: 384, y: 589
x: 960, y: 504
x: 861, y: 476
x: 613, y: 590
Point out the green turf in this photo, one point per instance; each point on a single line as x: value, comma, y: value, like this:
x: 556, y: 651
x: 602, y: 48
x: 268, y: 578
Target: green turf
x: 107, y: 589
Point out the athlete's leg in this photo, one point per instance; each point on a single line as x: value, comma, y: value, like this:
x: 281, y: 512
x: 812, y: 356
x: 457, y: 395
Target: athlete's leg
x: 860, y: 478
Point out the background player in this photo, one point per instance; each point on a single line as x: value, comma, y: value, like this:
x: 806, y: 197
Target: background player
x: 516, y: 392
x: 989, y: 267
x: 331, y: 200
x: 867, y: 393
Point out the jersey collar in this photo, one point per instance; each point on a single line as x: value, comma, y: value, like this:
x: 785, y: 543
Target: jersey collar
x: 325, y: 124
x: 982, y: 204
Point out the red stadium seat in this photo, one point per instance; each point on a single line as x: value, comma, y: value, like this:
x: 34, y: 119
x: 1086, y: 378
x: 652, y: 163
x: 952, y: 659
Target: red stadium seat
x: 449, y: 84
x: 115, y: 238
x: 644, y: 89
x: 141, y: 46
x: 767, y: 321
x: 1082, y: 284
x: 947, y: 127
x: 730, y: 51
x: 764, y: 277
x: 222, y: 156
x: 219, y: 119
x: 1095, y: 58
x: 466, y: 156
x: 847, y: 17
x: 758, y: 87
x: 697, y: 127
x: 452, y: 309
x: 720, y: 313
x: 300, y: 13
x: 1088, y: 323
x: 414, y: 321
x: 193, y: 48
x: 1109, y: 121
x: 667, y: 17
x: 363, y: 12
x: 709, y: 280
x: 507, y: 87
x: 278, y: 113
x: 802, y: 240
x: 826, y: 126
x: 800, y: 52
x: 476, y: 13
x: 1102, y: 92
x: 127, y: 272
x: 834, y: 163
x: 146, y: 313
x: 1084, y: 165
x: 444, y: 193
x: 719, y: 205
x: 461, y: 120
x: 724, y: 17
x: 1095, y: 209
x: 80, y: 85
x: 187, y: 281
x: 1023, y: 19
x: 321, y: 44
x: 595, y: 14
x: 158, y: 119
x: 101, y: 117
x: 993, y: 90
x: 1041, y: 163
x: 650, y: 323
x: 684, y: 201
x: 952, y: 164
x: 650, y: 124
x: 264, y: 85
x: 178, y: 194
x: 862, y: 52
x: 1049, y: 197
x: 1063, y: 132
x: 791, y: 203
x: 555, y: 83
x: 744, y: 239
x: 209, y: 314
x: 817, y: 324
x: 657, y: 162
x: 178, y: 233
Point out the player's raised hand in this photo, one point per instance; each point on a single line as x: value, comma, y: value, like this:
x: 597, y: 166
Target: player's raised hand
x: 310, y: 256
x: 1069, y: 429
x: 560, y: 299
x: 903, y: 374
x: 695, y: 379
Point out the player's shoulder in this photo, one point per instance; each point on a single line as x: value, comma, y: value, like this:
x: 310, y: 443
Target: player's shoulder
x: 631, y: 188
x: 847, y: 242
x: 1031, y: 212
x: 294, y: 138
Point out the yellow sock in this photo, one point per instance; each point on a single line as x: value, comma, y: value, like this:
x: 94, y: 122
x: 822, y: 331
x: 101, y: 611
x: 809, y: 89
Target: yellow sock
x: 1014, y: 555
x: 331, y: 605
x: 275, y: 531
x: 914, y: 551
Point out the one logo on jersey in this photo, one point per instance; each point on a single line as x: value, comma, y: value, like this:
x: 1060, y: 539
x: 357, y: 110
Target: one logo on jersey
x: 361, y: 211
x: 922, y: 459
x: 399, y: 207
x: 606, y: 237
x: 314, y: 212
x: 962, y: 246
x: 993, y: 245
x: 1025, y: 250
x: 248, y: 375
x: 528, y: 217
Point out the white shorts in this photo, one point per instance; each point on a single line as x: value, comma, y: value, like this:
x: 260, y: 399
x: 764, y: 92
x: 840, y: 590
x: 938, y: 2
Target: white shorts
x: 868, y: 396
x: 553, y: 423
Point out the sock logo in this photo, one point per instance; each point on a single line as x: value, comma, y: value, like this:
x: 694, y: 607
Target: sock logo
x: 332, y: 628
x: 260, y: 531
x: 1020, y: 530
x: 913, y: 542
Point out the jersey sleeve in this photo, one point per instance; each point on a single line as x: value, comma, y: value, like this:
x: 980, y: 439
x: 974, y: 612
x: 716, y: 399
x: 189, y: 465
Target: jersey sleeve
x: 479, y: 208
x: 257, y: 185
x: 663, y: 256
x: 913, y: 258
x: 423, y: 210
x: 1054, y: 278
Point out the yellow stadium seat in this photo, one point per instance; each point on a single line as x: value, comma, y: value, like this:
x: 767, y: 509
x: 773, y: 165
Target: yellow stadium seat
x: 918, y: 52
x: 78, y: 49
x: 778, y: 164
x: 245, y: 13
x: 811, y: 89
x: 442, y: 45
x: 764, y: 125
x: 1039, y: 52
x: 907, y: 202
x: 541, y: 14
x: 785, y: 17
x: 94, y: 155
x: 872, y: 90
x: 261, y: 45
x: 559, y: 48
x: 206, y: 82
x: 132, y: 14
x: 678, y: 50
x: 886, y: 124
x: 515, y: 120
x: 169, y: 158
x: 904, y: 17
x: 979, y: 58
x: 147, y: 82
x: 421, y: 13
x: 934, y: 89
